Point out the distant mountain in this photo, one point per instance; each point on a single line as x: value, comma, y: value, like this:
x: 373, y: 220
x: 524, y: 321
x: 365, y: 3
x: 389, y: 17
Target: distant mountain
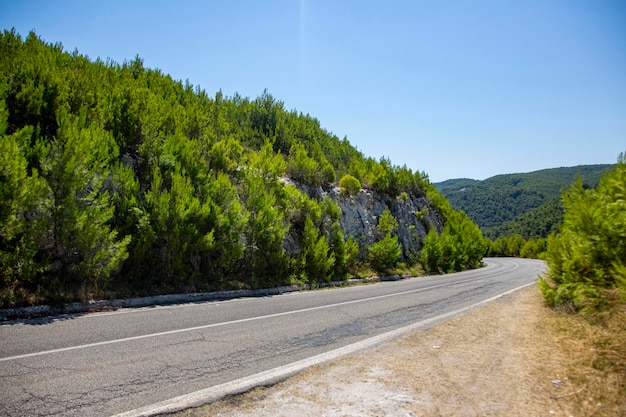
x: 527, y: 203
x: 536, y: 223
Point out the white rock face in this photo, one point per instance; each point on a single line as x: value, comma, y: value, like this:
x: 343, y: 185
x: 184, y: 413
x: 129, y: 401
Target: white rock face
x: 360, y: 213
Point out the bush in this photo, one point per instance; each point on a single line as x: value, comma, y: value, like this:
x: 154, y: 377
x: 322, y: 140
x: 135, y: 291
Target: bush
x: 587, y: 261
x: 383, y: 254
x: 349, y: 185
x: 460, y: 246
x: 302, y: 168
x: 317, y: 259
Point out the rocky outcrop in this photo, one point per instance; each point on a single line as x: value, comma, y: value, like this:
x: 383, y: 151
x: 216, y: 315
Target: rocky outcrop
x: 360, y: 213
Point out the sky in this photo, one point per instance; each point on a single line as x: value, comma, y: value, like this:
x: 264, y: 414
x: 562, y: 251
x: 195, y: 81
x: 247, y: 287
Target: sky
x: 456, y: 89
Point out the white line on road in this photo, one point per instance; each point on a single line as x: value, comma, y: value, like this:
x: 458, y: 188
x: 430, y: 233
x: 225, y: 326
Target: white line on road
x: 272, y: 376
x: 226, y: 323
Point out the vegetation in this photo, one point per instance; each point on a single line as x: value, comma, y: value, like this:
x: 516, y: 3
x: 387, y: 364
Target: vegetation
x: 384, y: 253
x: 349, y: 185
x: 591, y: 351
x: 587, y: 259
x: 527, y: 204
x: 458, y: 247
x: 515, y: 245
x: 587, y: 274
x: 117, y: 180
x: 518, y: 212
x: 536, y: 223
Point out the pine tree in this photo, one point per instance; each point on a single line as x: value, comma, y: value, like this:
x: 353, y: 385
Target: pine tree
x: 22, y: 195
x: 384, y: 253
x: 587, y: 260
x: 84, y: 249
x: 317, y: 259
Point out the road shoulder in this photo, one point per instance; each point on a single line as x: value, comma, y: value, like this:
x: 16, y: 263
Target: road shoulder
x: 490, y: 361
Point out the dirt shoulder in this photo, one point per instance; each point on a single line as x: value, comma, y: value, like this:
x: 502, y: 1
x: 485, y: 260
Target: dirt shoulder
x: 499, y: 359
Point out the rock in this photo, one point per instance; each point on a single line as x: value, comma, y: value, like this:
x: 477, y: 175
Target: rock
x: 360, y: 213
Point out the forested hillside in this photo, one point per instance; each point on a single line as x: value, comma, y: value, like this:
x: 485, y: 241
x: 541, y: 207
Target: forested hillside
x: 535, y: 223
x: 528, y: 204
x: 117, y: 180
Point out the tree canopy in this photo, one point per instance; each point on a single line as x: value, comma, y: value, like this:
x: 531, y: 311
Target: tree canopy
x: 116, y: 179
x: 527, y: 204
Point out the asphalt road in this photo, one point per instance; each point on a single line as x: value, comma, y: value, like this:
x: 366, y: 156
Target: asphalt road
x: 103, y: 364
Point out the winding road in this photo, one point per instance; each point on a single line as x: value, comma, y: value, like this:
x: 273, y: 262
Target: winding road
x: 156, y: 359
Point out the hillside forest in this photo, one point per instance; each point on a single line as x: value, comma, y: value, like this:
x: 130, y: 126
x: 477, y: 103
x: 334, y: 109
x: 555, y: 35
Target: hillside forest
x: 518, y: 212
x: 116, y: 180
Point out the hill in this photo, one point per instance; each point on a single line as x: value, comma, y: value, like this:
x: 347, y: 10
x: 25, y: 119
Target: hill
x: 525, y: 203
x: 116, y: 180
x: 534, y: 224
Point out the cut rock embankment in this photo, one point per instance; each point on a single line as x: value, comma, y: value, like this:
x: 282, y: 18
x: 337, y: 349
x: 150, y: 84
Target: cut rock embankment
x: 360, y: 214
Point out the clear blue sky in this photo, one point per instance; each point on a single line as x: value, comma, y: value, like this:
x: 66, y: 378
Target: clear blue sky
x: 453, y: 88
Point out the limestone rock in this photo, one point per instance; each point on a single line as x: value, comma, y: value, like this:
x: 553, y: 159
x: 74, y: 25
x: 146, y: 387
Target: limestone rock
x: 360, y: 213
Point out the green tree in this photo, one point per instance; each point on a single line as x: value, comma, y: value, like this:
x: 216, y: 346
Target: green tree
x: 265, y: 259
x: 228, y: 220
x: 225, y: 156
x: 534, y: 248
x: 301, y: 167
x: 431, y: 255
x: 386, y: 224
x: 22, y: 195
x: 515, y: 244
x: 384, y: 253
x: 587, y: 260
x: 499, y: 247
x: 460, y: 245
x: 266, y: 164
x: 345, y: 251
x: 84, y: 249
x: 349, y: 185
x: 378, y: 177
x: 317, y: 258
x: 179, y: 233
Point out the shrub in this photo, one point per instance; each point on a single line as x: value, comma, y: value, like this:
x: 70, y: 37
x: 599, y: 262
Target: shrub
x: 383, y: 254
x: 301, y: 167
x: 587, y: 260
x: 349, y: 185
x: 317, y: 259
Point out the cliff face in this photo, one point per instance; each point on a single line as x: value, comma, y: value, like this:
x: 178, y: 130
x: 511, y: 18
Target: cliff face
x: 360, y: 213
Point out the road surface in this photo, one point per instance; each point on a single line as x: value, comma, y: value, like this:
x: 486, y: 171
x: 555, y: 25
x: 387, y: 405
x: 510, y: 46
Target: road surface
x: 103, y: 364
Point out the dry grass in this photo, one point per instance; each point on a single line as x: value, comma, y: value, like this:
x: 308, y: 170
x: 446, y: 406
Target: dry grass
x: 593, y: 351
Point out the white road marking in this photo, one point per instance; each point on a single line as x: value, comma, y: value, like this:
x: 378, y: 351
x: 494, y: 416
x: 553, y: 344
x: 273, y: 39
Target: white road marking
x: 226, y: 323
x: 207, y: 395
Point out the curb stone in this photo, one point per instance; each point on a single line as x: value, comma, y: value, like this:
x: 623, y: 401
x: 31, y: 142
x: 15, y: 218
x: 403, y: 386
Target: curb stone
x: 77, y: 308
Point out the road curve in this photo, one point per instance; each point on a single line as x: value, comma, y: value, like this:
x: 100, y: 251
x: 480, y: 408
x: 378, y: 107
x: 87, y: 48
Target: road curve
x: 156, y: 359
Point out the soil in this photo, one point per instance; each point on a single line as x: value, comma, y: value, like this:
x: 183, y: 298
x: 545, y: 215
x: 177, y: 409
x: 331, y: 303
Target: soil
x: 496, y: 360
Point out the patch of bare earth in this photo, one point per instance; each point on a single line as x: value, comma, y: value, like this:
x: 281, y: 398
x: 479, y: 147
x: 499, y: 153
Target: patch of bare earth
x: 503, y: 359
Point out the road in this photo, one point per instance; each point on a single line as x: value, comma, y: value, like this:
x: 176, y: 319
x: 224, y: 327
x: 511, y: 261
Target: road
x: 103, y: 364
